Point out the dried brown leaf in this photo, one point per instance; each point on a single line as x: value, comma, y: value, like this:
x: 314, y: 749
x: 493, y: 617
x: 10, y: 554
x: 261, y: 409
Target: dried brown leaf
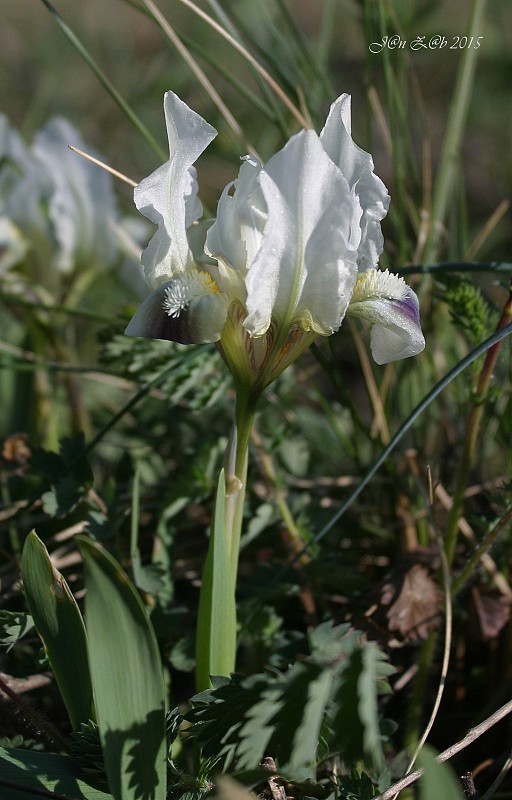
x: 493, y: 612
x: 416, y: 610
x: 15, y: 449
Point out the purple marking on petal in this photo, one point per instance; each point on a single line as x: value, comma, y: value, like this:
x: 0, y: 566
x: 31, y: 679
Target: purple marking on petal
x: 409, y: 306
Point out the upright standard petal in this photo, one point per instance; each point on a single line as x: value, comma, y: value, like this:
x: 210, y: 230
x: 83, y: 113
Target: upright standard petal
x: 168, y: 197
x: 305, y: 269
x: 391, y: 306
x: 235, y: 237
x: 357, y: 167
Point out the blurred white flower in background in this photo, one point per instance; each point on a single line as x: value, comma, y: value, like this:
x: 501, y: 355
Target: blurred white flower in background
x: 58, y: 213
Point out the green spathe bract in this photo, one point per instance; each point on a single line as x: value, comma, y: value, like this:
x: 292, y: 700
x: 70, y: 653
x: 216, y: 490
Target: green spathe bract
x: 127, y: 677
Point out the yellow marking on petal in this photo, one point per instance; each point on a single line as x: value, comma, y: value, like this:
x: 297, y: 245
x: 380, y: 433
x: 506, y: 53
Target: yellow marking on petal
x: 208, y: 282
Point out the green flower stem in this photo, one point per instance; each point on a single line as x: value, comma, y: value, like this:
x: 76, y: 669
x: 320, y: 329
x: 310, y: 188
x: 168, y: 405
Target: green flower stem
x: 472, y: 429
x: 216, y: 624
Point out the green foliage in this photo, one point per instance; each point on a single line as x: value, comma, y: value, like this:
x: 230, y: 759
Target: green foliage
x: 69, y: 473
x: 196, y: 374
x: 60, y: 625
x: 469, y: 310
x: 22, y: 771
x: 163, y: 407
x: 13, y: 626
x: 438, y: 779
x: 87, y: 751
x: 127, y: 678
x: 322, y: 706
x: 18, y: 741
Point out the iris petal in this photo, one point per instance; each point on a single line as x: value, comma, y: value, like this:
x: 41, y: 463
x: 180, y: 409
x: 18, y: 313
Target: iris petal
x: 200, y: 320
x: 305, y: 268
x: 357, y: 167
x: 235, y: 236
x: 392, y: 307
x: 168, y: 197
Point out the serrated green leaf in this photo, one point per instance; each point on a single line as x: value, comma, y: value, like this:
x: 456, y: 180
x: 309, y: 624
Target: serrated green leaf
x: 439, y: 780
x: 368, y: 710
x: 60, y: 625
x: 13, y: 626
x: 127, y: 679
x: 302, y: 760
x: 313, y: 709
x: 55, y: 773
x: 329, y: 642
x: 257, y: 728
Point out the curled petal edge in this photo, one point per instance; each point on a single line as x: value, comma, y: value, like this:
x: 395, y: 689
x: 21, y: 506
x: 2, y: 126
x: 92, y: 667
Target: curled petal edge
x: 391, y: 306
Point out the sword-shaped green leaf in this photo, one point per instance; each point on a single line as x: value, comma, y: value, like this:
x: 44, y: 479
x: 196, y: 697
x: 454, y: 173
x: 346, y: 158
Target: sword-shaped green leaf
x: 60, y: 625
x: 127, y: 678
x: 24, y: 774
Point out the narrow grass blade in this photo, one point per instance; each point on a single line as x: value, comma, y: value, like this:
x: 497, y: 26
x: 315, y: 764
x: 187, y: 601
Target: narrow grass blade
x: 458, y: 108
x: 27, y: 775
x: 253, y: 61
x: 118, y: 99
x: 60, y: 625
x: 216, y: 625
x: 197, y: 71
x: 457, y: 266
x: 127, y: 678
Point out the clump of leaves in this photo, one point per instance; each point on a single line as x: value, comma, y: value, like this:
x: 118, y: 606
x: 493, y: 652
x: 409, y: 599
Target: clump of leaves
x: 323, y: 706
x: 469, y: 309
x: 68, y: 472
x: 87, y: 751
x: 194, y: 375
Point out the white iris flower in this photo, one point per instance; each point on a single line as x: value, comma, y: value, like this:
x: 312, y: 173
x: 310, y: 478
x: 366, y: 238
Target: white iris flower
x: 294, y: 248
x: 63, y: 206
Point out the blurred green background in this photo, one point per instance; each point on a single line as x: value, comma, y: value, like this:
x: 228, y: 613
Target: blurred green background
x: 41, y: 75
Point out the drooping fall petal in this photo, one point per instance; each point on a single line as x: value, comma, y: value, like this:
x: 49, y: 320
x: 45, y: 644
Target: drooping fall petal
x: 391, y: 306
x: 189, y: 309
